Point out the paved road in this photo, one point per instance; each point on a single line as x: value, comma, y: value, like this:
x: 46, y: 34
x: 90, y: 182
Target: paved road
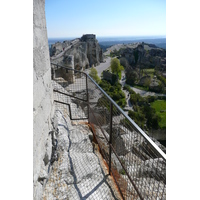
x: 101, y: 67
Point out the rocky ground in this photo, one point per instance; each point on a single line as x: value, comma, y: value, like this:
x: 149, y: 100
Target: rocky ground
x: 77, y: 170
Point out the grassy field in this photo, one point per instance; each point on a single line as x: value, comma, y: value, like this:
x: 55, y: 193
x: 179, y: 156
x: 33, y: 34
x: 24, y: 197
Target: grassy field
x: 150, y: 72
x: 160, y: 107
x: 141, y: 87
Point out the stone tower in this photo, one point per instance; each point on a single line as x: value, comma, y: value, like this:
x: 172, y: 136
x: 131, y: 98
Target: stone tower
x: 94, y: 52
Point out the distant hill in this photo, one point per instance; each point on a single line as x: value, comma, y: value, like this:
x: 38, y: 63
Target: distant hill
x: 159, y: 42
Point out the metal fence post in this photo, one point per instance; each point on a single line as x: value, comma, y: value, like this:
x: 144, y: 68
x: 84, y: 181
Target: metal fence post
x: 87, y: 93
x: 110, y: 139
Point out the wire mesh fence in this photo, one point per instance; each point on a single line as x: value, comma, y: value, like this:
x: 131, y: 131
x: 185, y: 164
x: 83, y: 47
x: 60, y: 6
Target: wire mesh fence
x: 70, y: 88
x: 77, y: 173
x: 136, y: 163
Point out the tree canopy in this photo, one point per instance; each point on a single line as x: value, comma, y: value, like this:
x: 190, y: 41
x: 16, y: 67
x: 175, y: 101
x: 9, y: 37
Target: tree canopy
x: 115, y: 66
x: 93, y: 73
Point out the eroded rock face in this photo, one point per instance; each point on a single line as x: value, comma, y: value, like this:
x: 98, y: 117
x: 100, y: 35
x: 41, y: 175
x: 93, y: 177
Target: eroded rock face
x: 58, y: 47
x: 145, y: 56
x: 86, y: 51
x: 94, y: 51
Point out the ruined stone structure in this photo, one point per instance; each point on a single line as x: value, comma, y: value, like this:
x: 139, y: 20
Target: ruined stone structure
x: 86, y: 52
x: 94, y: 51
x: 110, y: 76
x: 60, y: 72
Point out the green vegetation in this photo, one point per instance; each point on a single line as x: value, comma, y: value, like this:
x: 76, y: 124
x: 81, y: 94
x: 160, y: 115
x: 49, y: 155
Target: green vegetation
x: 131, y: 77
x: 93, y: 73
x: 147, y: 83
x: 149, y: 72
x: 152, y: 118
x: 147, y: 110
x: 114, y: 91
x: 116, y: 68
x: 115, y: 53
x: 160, y: 108
x: 135, y: 53
x: 141, y: 87
x: 138, y: 117
x: 122, y: 171
x: 161, y: 78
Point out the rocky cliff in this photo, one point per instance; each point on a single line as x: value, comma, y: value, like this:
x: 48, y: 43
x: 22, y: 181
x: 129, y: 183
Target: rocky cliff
x: 140, y: 55
x: 145, y: 56
x: 136, y: 57
x: 86, y: 52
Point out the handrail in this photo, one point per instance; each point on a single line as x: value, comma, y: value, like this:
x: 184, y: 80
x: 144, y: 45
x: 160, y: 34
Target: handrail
x: 131, y: 121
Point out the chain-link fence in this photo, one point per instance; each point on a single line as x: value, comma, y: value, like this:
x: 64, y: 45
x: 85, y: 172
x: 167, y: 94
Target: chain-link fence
x: 136, y: 163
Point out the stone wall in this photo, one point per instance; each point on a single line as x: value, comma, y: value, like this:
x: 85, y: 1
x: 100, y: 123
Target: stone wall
x: 42, y: 99
x: 110, y: 76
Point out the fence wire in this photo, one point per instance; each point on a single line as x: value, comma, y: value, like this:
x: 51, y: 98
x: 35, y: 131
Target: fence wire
x: 137, y: 165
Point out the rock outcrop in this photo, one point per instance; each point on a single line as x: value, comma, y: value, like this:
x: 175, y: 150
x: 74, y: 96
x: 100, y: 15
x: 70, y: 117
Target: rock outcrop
x: 141, y: 55
x: 86, y: 52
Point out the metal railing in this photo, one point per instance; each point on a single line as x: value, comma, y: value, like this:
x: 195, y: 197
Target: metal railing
x: 136, y: 163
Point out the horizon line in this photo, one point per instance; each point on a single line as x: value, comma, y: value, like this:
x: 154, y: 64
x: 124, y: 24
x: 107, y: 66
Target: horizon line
x: 137, y: 36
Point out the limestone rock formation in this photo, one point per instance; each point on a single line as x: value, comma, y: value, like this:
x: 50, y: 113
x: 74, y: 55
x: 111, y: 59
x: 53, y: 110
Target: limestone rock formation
x: 86, y: 52
x: 58, y: 47
x: 142, y: 55
x: 94, y: 51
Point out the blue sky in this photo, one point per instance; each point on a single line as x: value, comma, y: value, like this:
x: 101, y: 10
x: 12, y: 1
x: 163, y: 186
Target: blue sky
x: 73, y: 18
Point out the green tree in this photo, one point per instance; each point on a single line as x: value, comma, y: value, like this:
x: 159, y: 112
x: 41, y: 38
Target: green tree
x: 147, y: 82
x: 115, y: 66
x: 93, y: 73
x: 131, y: 77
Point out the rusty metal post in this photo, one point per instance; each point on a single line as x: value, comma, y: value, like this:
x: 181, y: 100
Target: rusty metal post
x: 110, y: 139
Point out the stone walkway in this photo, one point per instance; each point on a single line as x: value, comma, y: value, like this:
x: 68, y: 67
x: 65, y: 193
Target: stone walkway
x: 78, y: 172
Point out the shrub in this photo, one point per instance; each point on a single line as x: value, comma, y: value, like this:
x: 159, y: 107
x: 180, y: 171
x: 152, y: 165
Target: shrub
x: 93, y: 73
x: 115, y: 92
